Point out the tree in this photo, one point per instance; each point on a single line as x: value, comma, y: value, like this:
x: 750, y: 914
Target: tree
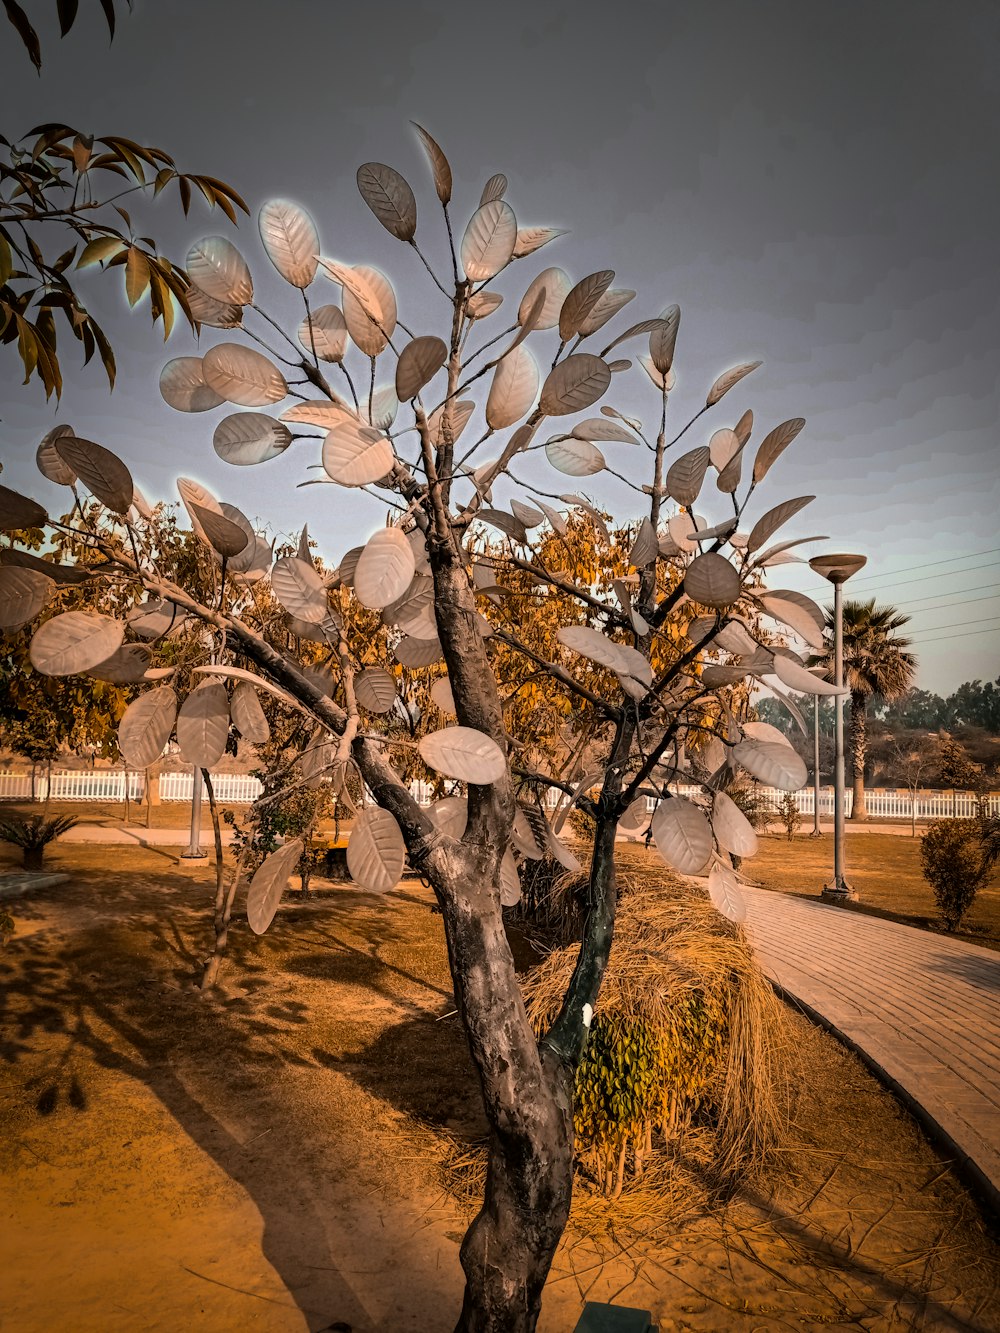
x: 954, y: 864
x: 642, y: 675
x: 912, y: 763
x: 961, y: 773
x: 876, y: 666
x: 60, y: 210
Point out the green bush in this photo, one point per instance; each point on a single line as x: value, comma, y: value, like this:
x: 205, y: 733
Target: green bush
x: 951, y: 853
x: 788, y: 812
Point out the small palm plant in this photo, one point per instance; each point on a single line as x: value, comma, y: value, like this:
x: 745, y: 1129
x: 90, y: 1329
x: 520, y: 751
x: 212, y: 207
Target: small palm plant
x: 33, y: 835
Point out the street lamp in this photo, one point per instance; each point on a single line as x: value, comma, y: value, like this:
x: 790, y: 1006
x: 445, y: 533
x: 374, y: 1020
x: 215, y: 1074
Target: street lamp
x: 838, y: 569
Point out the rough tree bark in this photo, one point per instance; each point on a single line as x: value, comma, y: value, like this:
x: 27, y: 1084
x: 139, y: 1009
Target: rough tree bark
x: 859, y: 750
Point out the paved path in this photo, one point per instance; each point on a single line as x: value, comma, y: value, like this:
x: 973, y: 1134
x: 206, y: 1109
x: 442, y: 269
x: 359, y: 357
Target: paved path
x: 922, y: 1008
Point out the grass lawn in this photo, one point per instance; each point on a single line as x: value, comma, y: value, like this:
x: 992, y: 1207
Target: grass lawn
x: 883, y: 868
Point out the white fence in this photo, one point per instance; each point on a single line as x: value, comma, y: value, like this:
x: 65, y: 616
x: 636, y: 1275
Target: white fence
x: 240, y: 789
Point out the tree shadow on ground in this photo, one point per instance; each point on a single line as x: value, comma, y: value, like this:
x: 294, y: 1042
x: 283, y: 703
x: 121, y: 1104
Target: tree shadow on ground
x: 114, y: 985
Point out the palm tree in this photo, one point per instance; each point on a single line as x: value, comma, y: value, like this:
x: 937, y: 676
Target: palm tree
x: 876, y: 666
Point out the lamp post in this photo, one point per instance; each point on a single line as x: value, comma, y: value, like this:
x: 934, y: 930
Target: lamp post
x: 194, y: 851
x: 838, y: 569
x: 817, y: 832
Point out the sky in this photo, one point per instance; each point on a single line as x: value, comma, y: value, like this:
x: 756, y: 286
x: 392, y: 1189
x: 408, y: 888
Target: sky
x: 815, y: 185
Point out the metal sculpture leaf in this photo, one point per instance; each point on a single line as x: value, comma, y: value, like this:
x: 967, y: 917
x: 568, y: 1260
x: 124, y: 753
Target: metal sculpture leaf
x: 325, y: 332
x: 805, y: 682
x: 48, y: 461
x: 663, y: 340
x: 555, y: 286
x: 375, y: 689
x: 662, y: 381
x: 763, y: 731
x: 385, y: 568
x: 682, y: 528
x: 19, y: 511
x: 591, y: 643
x: 600, y: 428
x: 376, y: 853
x: 513, y: 390
x: 733, y: 831
x: 488, y: 243
x: 605, y: 309
x: 729, y: 478
x: 102, y: 472
x: 453, y: 414
x: 195, y: 498
x: 184, y: 388
x: 258, y: 682
x: 724, y: 891
x: 153, y: 619
x: 483, y: 304
x: 23, y: 593
x: 633, y: 331
x: 574, y: 384
x: 439, y: 163
x: 465, y: 754
x: 217, y: 267
x: 581, y: 300
x: 419, y: 361
x: 247, y: 438
x: 510, y: 883
x: 390, y: 198
x: 216, y: 314
x: 556, y: 521
x: 645, y: 547
x: 712, y: 581
x: 686, y: 474
x: 495, y: 188
x: 369, y: 308
x: 381, y: 407
x: 255, y: 559
x: 507, y: 523
x: 527, y: 515
x: 418, y: 653
x: 241, y: 375
x: 450, y: 815
x: 635, y: 816
x: 127, y: 666
x: 291, y: 241
x: 576, y: 458
x: 776, y: 765
x: 203, y: 725
x: 683, y: 835
x: 74, y: 642
x: 723, y: 448
x: 146, y: 725
x: 774, y: 443
x: 299, y: 588
x: 798, y: 612
x: 222, y: 534
x: 248, y: 716
x: 269, y: 883
x: 728, y: 380
x: 735, y: 639
x: 442, y: 697
x: 530, y: 239
x: 770, y: 522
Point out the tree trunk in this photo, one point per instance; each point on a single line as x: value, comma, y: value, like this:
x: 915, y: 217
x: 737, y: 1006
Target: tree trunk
x: 859, y: 748
x: 33, y: 858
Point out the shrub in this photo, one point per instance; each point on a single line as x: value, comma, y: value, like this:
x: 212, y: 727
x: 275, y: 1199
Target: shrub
x: 685, y: 1031
x: 33, y: 835
x: 951, y: 854
x: 788, y: 812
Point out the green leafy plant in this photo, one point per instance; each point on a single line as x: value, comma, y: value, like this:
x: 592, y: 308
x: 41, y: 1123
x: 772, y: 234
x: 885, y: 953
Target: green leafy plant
x: 33, y: 834
x: 951, y: 854
x: 788, y: 813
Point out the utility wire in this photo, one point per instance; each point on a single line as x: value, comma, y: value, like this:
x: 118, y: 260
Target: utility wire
x: 902, y: 583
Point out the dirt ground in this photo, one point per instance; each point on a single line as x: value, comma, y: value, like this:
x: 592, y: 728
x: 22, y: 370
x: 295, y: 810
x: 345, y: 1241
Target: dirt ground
x: 273, y: 1158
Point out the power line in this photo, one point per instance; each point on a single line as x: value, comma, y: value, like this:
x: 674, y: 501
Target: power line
x: 976, y: 587
x: 958, y: 624
x: 968, y: 601
x: 970, y: 635
x: 902, y: 583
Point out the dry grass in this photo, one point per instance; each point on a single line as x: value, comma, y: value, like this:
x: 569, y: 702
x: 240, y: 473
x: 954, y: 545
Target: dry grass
x: 883, y: 868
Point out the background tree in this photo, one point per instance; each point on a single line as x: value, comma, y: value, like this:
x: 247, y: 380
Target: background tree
x: 61, y: 211
x: 647, y: 678
x: 876, y: 666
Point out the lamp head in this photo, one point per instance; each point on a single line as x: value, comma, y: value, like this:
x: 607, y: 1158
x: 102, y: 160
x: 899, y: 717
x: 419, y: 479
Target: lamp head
x: 837, y: 568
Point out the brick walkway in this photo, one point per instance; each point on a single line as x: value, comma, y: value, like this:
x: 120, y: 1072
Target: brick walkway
x: 923, y: 1009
